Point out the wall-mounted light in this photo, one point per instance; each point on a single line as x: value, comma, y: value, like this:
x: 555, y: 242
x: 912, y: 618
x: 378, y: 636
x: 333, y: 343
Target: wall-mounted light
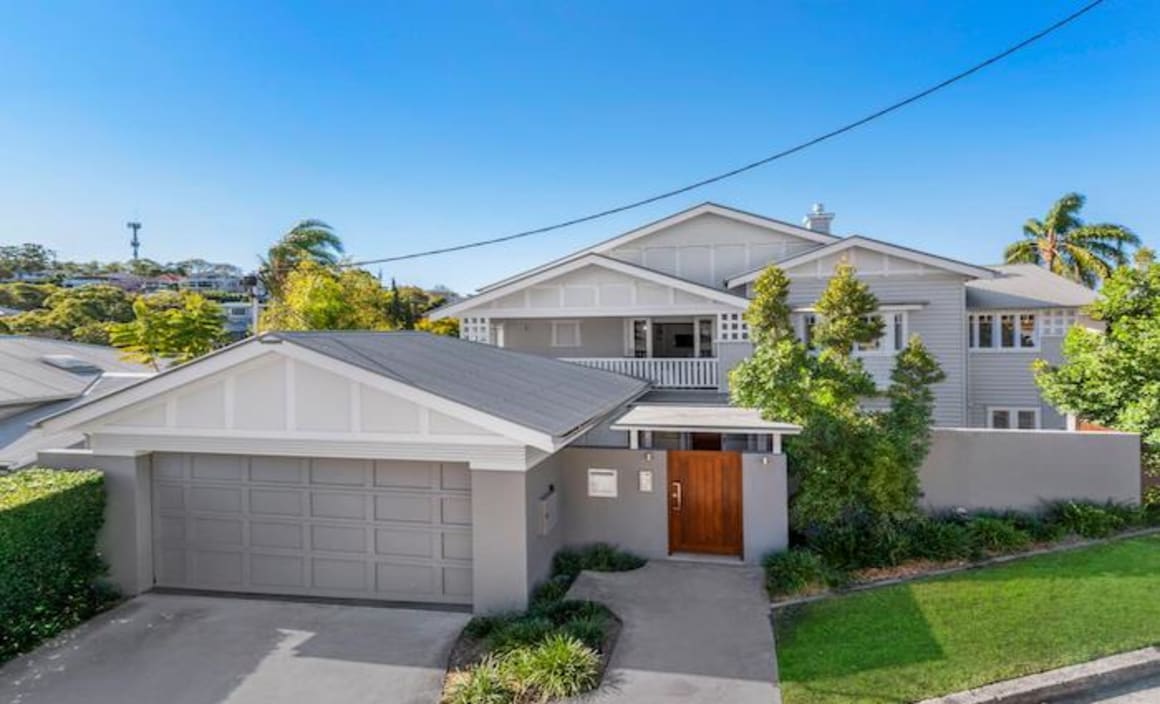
x: 648, y: 457
x: 765, y: 459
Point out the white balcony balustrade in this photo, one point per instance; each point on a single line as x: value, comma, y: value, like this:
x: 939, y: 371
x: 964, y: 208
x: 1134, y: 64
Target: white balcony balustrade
x: 663, y: 372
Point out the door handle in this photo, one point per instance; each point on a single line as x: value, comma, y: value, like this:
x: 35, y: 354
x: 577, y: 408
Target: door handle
x: 676, y: 496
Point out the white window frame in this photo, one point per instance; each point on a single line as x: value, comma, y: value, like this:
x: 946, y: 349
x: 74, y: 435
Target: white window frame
x: 557, y: 325
x: 697, y: 335
x: 1013, y: 413
x: 997, y: 331
x: 886, y: 346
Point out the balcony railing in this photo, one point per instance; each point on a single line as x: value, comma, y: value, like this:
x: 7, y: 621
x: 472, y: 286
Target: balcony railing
x: 663, y: 372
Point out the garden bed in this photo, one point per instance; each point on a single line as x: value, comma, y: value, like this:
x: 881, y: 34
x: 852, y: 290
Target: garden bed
x: 558, y: 648
x: 865, y: 550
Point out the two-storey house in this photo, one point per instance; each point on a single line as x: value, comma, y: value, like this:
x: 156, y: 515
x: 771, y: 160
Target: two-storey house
x: 664, y: 302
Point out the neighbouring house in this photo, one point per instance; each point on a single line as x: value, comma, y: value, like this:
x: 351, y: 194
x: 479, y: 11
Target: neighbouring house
x: 40, y: 377
x: 239, y: 318
x: 664, y: 302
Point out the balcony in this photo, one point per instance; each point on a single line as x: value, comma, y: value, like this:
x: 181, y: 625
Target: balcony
x: 663, y: 372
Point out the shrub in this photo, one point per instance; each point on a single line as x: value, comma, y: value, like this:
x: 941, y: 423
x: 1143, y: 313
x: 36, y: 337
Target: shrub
x: 996, y: 535
x: 1087, y: 519
x: 482, y: 684
x: 49, y: 565
x: 863, y: 540
x: 551, y: 591
x: 484, y: 626
x: 941, y: 540
x: 589, y: 630
x: 528, y: 630
x: 562, y: 612
x: 557, y: 668
x: 598, y: 557
x: 793, y: 571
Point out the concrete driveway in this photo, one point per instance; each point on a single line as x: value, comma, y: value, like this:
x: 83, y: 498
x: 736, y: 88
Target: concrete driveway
x: 177, y: 649
x: 694, y: 633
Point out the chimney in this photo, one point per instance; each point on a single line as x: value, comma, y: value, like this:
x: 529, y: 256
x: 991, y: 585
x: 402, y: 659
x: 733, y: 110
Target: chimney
x: 818, y: 219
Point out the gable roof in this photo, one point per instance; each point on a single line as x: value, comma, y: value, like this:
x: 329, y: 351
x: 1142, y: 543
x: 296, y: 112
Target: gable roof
x: 37, y: 370
x: 590, y: 259
x: 1027, y: 286
x: 933, y: 260
x: 706, y: 208
x: 537, y: 393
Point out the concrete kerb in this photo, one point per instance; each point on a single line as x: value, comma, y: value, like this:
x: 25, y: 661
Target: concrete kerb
x: 1002, y: 559
x: 1066, y: 681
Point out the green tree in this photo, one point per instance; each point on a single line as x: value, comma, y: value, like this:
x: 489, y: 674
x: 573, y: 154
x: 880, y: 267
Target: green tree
x: 317, y: 297
x: 27, y: 258
x: 1064, y: 244
x: 79, y: 314
x: 169, y: 327
x: 25, y: 296
x: 847, y: 459
x: 1113, y: 377
x: 309, y: 240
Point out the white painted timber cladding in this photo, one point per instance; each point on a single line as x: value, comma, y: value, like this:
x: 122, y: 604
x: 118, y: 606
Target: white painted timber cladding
x: 274, y: 395
x: 709, y: 249
x: 390, y: 530
x: 1004, y: 378
x: 597, y: 291
x: 941, y: 323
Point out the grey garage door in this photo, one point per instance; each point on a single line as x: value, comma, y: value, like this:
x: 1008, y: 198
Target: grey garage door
x: 392, y: 530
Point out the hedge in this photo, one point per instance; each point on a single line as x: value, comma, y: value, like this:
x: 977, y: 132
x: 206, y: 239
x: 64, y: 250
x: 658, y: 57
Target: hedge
x: 49, y: 566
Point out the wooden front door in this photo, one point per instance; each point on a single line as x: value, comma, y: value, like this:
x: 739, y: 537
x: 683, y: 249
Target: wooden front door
x: 705, y: 502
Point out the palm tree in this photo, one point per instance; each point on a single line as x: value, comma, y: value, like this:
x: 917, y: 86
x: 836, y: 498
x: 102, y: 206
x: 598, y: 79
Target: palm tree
x: 1066, y: 245
x: 309, y: 240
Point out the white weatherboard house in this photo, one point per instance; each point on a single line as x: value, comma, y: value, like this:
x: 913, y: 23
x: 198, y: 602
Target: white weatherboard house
x: 586, y: 405
x: 664, y: 302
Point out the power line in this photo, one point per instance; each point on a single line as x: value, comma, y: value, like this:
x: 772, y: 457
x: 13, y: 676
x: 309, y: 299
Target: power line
x: 754, y: 164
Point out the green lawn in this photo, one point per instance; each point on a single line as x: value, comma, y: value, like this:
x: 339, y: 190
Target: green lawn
x: 933, y: 637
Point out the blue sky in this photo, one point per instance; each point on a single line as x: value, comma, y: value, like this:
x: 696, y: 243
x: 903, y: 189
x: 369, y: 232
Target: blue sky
x: 412, y: 125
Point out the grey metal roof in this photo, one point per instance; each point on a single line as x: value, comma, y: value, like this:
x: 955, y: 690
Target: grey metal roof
x: 39, y: 370
x: 536, y: 392
x: 21, y: 440
x: 1027, y: 286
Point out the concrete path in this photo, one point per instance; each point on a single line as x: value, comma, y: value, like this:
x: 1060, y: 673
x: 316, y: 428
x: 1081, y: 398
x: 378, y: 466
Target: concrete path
x: 693, y: 633
x: 170, y: 649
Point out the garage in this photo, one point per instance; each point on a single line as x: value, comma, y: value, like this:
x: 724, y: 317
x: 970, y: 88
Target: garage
x: 370, y: 529
x: 394, y: 467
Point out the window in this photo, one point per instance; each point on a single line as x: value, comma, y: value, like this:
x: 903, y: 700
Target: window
x: 893, y: 336
x: 1013, y: 418
x: 565, y: 333
x: 1015, y: 331
x: 806, y: 325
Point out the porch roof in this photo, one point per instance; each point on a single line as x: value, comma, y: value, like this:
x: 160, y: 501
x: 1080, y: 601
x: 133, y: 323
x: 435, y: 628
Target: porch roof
x: 701, y: 418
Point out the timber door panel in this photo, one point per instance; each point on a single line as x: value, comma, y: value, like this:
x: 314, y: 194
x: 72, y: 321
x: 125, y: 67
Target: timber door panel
x: 705, y: 502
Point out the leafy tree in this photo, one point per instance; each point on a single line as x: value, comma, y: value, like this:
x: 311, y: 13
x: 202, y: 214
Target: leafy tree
x: 443, y: 326
x: 1113, y: 378
x: 1064, y: 244
x: 845, y: 313
x: 317, y: 297
x: 27, y: 258
x: 309, y: 240
x: 25, y: 296
x: 169, y: 327
x: 80, y: 314
x: 847, y: 459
